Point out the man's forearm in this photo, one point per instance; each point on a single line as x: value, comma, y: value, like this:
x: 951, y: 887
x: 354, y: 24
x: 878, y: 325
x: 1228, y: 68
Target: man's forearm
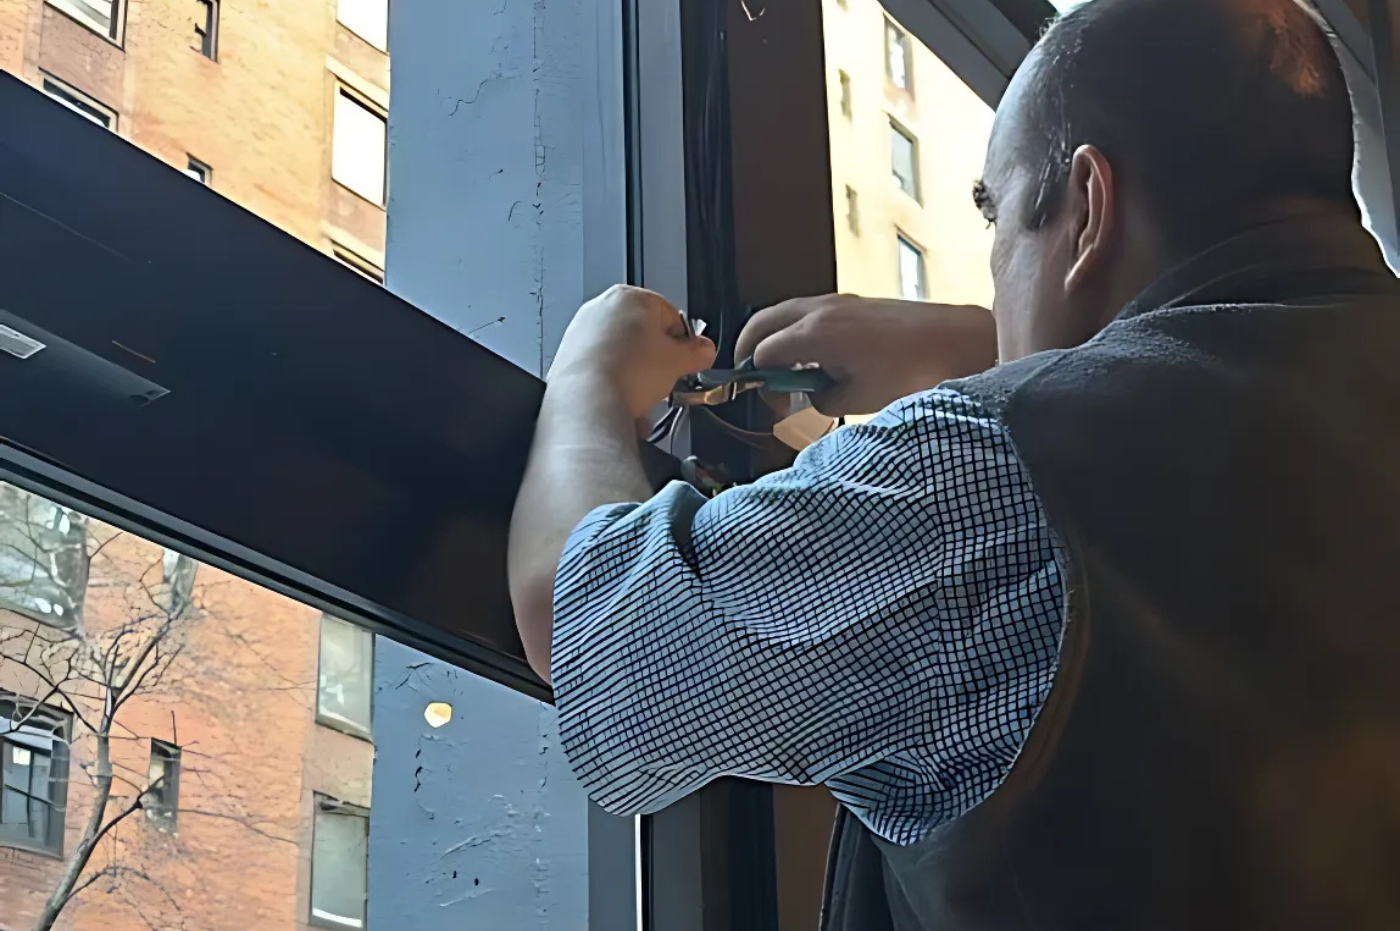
x: 585, y: 455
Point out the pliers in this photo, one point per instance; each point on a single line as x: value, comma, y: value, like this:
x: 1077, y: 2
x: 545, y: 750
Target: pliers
x: 720, y: 386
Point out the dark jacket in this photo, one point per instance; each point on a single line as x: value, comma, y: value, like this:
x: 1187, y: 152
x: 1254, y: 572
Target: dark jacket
x: 1222, y: 745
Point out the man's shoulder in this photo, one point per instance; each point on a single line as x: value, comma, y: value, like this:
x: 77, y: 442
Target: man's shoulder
x: 993, y: 390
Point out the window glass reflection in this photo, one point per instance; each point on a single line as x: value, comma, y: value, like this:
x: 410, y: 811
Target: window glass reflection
x: 911, y: 271
x: 346, y: 678
x: 907, y: 143
x: 191, y: 723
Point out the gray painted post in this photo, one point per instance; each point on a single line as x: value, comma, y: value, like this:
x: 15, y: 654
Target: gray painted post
x: 506, y: 211
x: 506, y: 165
x: 476, y: 824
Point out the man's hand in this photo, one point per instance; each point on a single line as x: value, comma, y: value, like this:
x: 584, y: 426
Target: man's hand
x: 634, y: 341
x: 621, y: 354
x: 876, y: 351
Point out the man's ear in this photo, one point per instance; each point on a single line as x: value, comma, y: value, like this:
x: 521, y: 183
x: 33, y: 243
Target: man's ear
x: 1094, y: 200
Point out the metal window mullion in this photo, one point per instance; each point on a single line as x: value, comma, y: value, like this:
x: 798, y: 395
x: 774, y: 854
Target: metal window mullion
x: 43, y: 477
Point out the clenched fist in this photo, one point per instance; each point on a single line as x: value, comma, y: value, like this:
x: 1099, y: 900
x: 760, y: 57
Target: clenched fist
x: 634, y: 341
x: 876, y: 351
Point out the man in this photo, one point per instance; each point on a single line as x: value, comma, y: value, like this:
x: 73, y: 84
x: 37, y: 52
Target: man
x: 1105, y: 637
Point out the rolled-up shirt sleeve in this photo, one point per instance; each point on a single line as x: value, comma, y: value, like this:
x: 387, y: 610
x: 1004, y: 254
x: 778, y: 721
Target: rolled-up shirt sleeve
x: 884, y: 617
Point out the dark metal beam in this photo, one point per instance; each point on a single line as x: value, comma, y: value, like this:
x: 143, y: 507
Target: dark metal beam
x: 296, y: 424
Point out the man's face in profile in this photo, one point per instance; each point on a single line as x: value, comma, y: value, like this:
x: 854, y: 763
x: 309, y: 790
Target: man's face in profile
x: 1029, y: 266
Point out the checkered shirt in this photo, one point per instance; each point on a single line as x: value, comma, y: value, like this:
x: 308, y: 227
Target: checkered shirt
x: 883, y: 618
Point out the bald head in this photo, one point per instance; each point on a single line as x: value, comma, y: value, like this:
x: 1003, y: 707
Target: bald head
x: 1213, y: 110
x: 1139, y: 132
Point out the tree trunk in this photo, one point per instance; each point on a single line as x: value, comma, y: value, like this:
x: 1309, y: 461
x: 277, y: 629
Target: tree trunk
x: 63, y: 892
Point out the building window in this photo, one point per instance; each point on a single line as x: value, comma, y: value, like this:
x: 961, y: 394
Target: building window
x: 904, y: 160
x: 199, y: 171
x: 34, y: 761
x: 162, y: 800
x: 80, y: 103
x: 339, y: 854
x: 360, y: 264
x: 912, y: 277
x: 853, y: 210
x: 346, y: 680
x: 175, y: 594
x: 368, y: 19
x: 845, y: 95
x: 206, y: 28
x: 358, y: 149
x: 101, y: 16
x: 898, y: 57
x: 43, y: 558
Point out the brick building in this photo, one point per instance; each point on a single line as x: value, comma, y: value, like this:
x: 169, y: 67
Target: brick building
x: 278, y: 106
x: 250, y: 751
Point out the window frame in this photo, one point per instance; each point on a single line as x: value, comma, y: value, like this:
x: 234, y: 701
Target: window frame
x: 899, y: 129
x: 906, y: 243
x: 198, y: 171
x: 323, y: 804
x: 679, y: 841
x: 61, y: 733
x: 208, y: 32
x: 85, y: 105
x: 330, y: 719
x: 116, y: 32
x: 164, y: 814
x: 897, y: 37
x: 355, y: 98
x: 357, y: 263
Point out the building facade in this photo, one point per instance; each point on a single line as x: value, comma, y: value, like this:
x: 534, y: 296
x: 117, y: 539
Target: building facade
x: 279, y: 107
x: 907, y: 141
x: 240, y: 752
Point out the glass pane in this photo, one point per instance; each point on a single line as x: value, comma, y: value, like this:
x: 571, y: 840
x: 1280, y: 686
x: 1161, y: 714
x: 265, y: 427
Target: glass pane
x: 17, y: 773
x: 96, y: 14
x: 155, y: 778
x: 346, y: 677
x: 41, y: 770
x: 358, y: 155
x: 38, y: 820
x: 77, y: 104
x: 898, y: 53
x: 13, y: 810
x: 911, y: 271
x: 369, y: 19
x: 228, y: 672
x: 43, y: 558
x: 904, y: 161
x: 930, y: 198
x: 264, y: 118
x: 16, y: 766
x: 338, y: 869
